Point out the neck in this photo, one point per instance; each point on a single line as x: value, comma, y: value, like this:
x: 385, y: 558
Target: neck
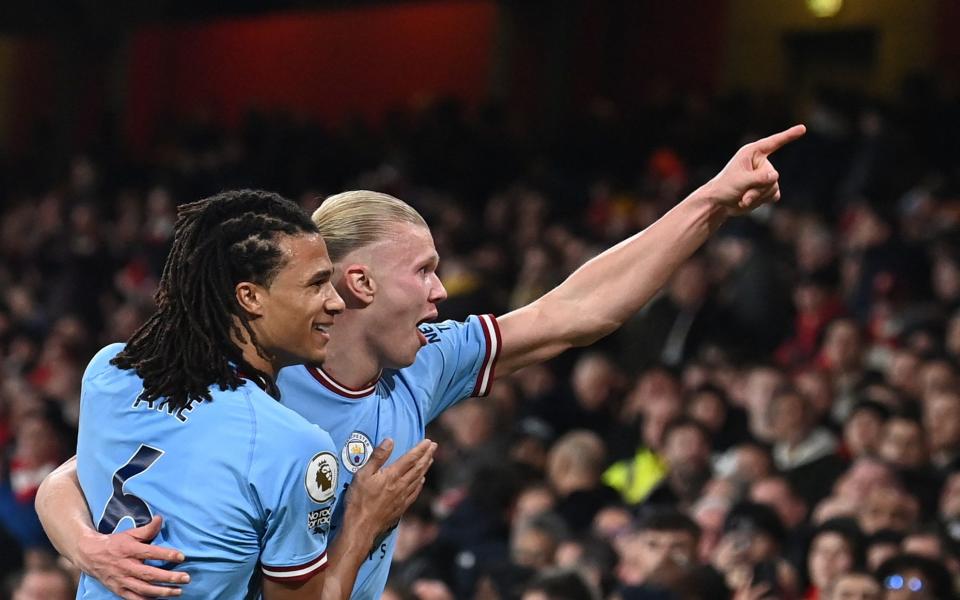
x: 258, y: 362
x: 351, y: 359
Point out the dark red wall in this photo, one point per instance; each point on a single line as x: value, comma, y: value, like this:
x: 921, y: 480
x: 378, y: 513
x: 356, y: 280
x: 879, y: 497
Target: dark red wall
x: 319, y: 64
x: 31, y: 91
x: 948, y: 42
x: 618, y: 50
x: 630, y: 46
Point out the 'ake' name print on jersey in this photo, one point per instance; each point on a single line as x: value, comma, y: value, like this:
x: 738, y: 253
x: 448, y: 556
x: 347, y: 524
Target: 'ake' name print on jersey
x: 162, y: 405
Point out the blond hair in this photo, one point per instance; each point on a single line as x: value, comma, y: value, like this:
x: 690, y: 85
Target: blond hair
x: 581, y: 451
x: 355, y: 219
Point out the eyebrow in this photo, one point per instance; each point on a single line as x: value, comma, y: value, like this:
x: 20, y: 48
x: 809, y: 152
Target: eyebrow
x: 322, y: 274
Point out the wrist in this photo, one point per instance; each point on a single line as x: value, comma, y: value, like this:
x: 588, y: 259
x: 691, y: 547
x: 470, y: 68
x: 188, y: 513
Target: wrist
x: 362, y: 521
x: 79, y: 550
x: 709, y: 195
x: 708, y: 199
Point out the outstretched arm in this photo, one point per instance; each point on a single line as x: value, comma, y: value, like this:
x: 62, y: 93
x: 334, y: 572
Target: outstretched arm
x: 602, y: 294
x: 115, y: 560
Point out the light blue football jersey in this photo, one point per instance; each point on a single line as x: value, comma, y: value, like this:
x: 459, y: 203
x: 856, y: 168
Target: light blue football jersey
x: 245, y: 485
x: 457, y: 363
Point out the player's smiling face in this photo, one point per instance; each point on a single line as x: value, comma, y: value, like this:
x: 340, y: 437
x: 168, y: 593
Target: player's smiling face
x: 404, y: 266
x: 298, y: 308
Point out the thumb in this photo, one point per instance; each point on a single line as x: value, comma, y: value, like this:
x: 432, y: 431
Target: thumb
x: 380, y: 455
x: 146, y: 533
x: 749, y: 198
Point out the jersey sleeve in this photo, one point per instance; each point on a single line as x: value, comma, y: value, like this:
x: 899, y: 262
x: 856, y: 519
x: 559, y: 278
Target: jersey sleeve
x: 457, y: 363
x: 294, y: 471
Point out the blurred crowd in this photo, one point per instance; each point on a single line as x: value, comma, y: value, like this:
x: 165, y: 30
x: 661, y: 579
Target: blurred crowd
x: 783, y: 420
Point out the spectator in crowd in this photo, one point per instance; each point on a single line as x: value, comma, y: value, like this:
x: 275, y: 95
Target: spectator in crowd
x: 559, y: 585
x: 534, y: 543
x: 852, y: 488
x: 814, y: 383
x: 836, y: 549
x: 888, y: 508
x: 709, y: 406
x: 801, y: 450
x: 595, y: 383
x: 842, y: 355
x: 903, y: 446
x: 903, y: 372
x: 748, y: 273
x: 937, y: 374
x: 636, y: 477
x: 46, y: 582
x: 817, y: 304
x: 533, y: 499
x: 38, y: 448
x: 777, y: 492
x: 752, y: 541
x: 661, y: 535
x: 710, y: 513
x: 853, y: 585
x: 941, y: 420
x: 930, y: 542
x: 745, y: 463
x: 758, y: 388
x: 863, y: 428
x: 948, y: 513
x: 671, y: 328
x: 594, y: 558
x: 901, y: 443
x: 686, y: 453
x: 908, y: 576
x: 574, y: 470
x: 417, y: 554
x: 661, y: 554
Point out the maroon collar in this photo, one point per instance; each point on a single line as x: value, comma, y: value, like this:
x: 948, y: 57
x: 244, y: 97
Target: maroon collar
x: 338, y: 388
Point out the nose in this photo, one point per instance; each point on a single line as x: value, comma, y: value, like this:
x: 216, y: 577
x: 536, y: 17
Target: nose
x: 334, y: 303
x: 438, y: 293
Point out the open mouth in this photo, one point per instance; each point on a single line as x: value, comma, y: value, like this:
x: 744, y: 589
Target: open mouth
x: 427, y: 319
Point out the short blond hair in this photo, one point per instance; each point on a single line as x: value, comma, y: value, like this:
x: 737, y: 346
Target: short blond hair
x: 352, y: 220
x: 580, y: 450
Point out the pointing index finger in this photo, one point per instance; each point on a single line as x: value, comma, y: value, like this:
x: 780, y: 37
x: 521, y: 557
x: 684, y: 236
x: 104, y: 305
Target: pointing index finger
x: 772, y: 143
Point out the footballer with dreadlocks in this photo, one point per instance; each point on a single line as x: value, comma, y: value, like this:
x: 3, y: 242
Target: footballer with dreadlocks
x: 183, y: 420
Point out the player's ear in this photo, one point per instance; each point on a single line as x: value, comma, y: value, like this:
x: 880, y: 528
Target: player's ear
x: 359, y: 282
x: 250, y: 297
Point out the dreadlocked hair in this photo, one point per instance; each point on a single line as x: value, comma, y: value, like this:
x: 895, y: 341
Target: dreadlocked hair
x: 188, y: 344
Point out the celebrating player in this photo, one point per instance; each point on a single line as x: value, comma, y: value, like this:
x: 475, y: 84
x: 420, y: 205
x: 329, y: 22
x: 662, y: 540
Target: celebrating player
x: 387, y: 374
x: 183, y: 420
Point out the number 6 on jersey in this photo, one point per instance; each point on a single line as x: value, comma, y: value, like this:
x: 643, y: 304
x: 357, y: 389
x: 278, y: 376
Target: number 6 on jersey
x: 122, y: 505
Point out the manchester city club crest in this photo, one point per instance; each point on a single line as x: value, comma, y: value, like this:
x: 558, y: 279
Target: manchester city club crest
x: 356, y: 452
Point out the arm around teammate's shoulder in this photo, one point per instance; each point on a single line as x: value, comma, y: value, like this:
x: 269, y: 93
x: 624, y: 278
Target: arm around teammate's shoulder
x: 115, y: 560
